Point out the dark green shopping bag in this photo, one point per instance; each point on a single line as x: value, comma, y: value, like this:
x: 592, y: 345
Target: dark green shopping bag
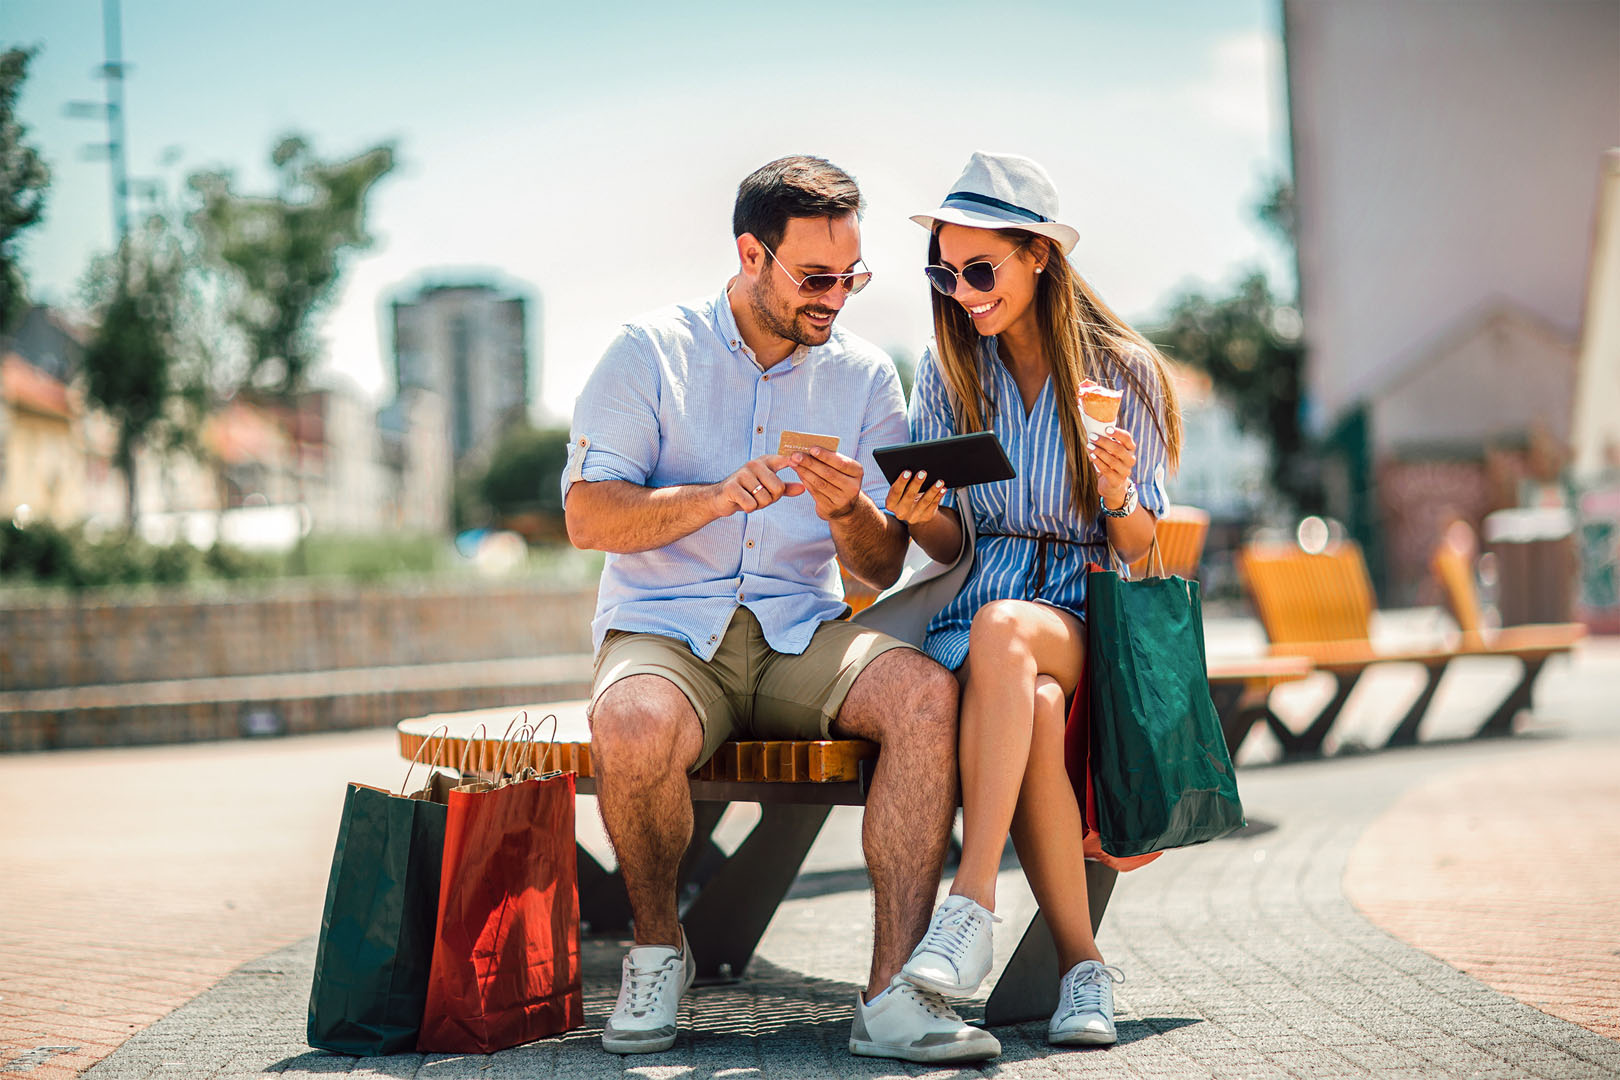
x: 377, y: 930
x: 1159, y: 762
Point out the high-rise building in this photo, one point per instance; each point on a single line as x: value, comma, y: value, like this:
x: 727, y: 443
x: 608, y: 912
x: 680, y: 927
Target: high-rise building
x: 468, y: 343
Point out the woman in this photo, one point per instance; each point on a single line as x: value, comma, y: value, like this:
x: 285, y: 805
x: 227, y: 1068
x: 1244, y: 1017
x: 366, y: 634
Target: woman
x: 1016, y: 334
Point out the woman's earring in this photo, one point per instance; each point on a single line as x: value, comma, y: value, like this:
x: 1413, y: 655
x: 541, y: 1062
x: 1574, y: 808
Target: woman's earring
x: 1038, y: 269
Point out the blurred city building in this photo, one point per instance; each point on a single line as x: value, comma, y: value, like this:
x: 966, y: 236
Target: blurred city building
x: 1445, y: 165
x: 1227, y: 476
x: 261, y: 472
x: 467, y: 342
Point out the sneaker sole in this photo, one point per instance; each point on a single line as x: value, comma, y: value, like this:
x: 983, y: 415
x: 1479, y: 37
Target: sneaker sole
x: 1081, y: 1038
x: 638, y: 1046
x: 947, y: 1052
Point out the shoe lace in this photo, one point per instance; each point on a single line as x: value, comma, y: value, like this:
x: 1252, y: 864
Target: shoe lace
x: 643, y: 984
x: 951, y: 935
x: 1086, y: 990
x: 934, y: 1003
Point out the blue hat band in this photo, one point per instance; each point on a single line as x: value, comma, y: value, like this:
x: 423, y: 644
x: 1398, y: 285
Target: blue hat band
x: 985, y: 200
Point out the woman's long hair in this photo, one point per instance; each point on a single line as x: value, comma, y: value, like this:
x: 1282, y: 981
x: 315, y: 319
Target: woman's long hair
x: 1082, y: 337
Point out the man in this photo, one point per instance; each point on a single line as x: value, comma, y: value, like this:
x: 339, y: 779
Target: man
x: 718, y: 614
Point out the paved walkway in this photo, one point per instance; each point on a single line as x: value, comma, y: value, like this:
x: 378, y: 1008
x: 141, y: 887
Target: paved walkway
x: 135, y: 880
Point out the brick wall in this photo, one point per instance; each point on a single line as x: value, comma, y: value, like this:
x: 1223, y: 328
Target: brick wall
x: 90, y: 640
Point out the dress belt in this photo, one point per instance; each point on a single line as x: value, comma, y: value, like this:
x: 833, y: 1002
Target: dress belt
x: 1035, y: 577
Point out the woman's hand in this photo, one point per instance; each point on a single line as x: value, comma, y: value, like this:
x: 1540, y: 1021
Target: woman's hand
x: 913, y: 500
x: 1113, y: 455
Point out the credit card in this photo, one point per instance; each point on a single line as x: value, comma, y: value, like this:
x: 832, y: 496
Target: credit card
x: 801, y: 442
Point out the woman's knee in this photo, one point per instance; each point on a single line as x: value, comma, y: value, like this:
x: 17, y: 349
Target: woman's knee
x: 999, y: 627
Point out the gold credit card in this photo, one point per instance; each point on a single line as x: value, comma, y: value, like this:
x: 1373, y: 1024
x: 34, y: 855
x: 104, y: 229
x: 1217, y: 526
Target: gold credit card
x: 801, y: 442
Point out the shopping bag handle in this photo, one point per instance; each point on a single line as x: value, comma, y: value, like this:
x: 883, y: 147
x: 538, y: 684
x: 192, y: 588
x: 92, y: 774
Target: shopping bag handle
x: 406, y: 783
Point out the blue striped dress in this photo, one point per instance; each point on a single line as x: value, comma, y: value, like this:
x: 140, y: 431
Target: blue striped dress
x: 1036, y: 502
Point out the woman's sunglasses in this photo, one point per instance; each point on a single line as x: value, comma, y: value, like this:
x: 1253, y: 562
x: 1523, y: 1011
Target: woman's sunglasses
x: 812, y: 285
x: 980, y: 275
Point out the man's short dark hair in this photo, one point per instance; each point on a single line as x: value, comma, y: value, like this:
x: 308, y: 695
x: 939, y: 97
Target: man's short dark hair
x: 792, y: 187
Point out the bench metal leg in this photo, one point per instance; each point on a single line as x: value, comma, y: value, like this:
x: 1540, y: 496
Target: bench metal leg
x: 603, y: 903
x: 728, y: 917
x: 1406, y: 732
x: 1500, y: 722
x: 1309, y: 742
x: 1027, y: 989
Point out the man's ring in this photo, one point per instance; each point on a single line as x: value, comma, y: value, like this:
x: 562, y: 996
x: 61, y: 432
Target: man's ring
x: 757, y: 488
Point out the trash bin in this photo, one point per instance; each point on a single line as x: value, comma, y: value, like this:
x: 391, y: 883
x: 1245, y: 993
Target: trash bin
x: 1535, y: 559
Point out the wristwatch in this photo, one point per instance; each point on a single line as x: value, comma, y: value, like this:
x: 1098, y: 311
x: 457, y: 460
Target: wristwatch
x: 1128, y: 508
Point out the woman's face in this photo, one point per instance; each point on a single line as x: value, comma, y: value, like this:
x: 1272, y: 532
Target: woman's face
x: 1012, y: 297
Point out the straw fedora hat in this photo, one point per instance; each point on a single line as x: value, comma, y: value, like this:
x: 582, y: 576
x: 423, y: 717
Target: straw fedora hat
x: 1003, y: 191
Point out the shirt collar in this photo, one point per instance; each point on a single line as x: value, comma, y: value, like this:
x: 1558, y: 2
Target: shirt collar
x: 725, y: 324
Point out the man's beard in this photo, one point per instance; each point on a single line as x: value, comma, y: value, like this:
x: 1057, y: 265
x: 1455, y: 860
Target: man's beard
x: 794, y: 327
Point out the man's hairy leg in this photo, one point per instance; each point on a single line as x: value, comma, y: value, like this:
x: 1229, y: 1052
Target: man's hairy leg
x: 906, y: 703
x: 645, y: 737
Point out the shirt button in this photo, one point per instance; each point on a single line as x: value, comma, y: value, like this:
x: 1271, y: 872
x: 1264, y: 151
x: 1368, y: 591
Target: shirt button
x: 764, y: 378
x: 750, y: 543
x: 759, y: 430
x: 713, y: 637
x: 584, y: 442
x: 739, y: 598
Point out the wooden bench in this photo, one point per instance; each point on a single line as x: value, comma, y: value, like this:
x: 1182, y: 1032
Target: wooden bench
x: 1533, y: 644
x: 1319, y: 606
x: 1181, y: 533
x: 727, y: 901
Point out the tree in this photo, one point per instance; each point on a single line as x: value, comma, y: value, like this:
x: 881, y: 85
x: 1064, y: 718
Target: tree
x: 1249, y: 345
x: 281, y: 256
x: 24, y: 178
x: 144, y: 366
x: 525, y: 471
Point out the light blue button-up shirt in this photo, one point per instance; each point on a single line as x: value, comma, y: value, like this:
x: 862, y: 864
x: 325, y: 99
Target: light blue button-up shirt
x: 678, y: 399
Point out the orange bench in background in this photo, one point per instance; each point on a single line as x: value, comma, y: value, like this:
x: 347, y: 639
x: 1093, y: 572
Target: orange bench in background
x: 1320, y: 606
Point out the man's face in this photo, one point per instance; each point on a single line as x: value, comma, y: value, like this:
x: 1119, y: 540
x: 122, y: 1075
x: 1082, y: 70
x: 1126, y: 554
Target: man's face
x: 809, y: 246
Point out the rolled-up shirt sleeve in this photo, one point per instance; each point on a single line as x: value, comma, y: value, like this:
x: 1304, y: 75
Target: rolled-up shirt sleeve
x: 883, y: 425
x: 1144, y: 419
x: 615, y: 430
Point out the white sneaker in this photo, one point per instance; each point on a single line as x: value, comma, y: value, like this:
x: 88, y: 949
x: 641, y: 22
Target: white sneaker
x: 955, y: 954
x: 913, y: 1024
x: 1085, y: 1012
x: 643, y: 1021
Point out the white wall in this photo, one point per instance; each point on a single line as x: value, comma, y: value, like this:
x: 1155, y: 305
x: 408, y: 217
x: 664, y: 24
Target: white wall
x: 1446, y: 156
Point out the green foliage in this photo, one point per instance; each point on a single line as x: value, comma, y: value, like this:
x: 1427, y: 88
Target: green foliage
x: 145, y: 366
x: 280, y: 256
x: 1248, y: 345
x: 24, y: 178
x: 46, y: 554
x: 371, y: 558
x: 525, y: 472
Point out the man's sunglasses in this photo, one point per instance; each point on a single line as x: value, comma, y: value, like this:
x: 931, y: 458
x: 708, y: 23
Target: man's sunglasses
x: 821, y: 284
x: 980, y: 275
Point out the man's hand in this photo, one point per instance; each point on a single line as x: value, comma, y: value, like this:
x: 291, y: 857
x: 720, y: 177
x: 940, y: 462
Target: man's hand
x: 833, y: 481
x: 754, y: 486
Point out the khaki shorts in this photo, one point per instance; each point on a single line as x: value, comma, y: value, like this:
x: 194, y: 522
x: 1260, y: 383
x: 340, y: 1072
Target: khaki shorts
x: 749, y: 690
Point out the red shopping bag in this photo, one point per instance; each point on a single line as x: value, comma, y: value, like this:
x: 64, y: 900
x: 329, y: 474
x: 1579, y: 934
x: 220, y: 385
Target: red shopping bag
x: 506, y: 953
x: 1077, y: 759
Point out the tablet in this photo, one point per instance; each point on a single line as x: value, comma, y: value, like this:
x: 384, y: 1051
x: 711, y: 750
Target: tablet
x: 960, y: 461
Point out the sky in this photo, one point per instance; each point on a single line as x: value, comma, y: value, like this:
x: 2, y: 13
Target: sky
x: 588, y: 154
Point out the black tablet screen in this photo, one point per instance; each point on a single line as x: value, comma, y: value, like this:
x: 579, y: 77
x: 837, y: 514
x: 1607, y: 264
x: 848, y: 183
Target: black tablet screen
x: 960, y: 461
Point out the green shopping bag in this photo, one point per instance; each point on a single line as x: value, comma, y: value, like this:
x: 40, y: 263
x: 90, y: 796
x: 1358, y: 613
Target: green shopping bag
x: 377, y: 929
x: 1162, y: 773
